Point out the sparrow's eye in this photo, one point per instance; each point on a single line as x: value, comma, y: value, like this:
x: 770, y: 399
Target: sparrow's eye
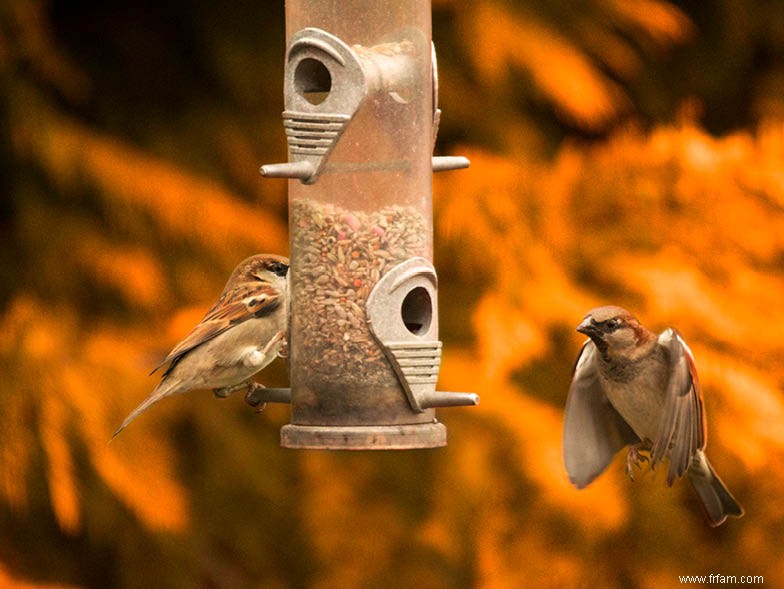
x: 612, y: 324
x: 278, y: 268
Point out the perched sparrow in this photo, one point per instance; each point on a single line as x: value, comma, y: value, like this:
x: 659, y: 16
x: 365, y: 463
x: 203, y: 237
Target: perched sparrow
x: 242, y: 333
x: 634, y: 388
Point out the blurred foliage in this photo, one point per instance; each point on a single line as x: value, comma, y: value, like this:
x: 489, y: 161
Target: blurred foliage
x: 625, y: 152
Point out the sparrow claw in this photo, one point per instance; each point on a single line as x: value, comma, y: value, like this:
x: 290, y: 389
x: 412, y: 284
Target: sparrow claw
x: 634, y: 458
x: 628, y: 470
x: 252, y: 397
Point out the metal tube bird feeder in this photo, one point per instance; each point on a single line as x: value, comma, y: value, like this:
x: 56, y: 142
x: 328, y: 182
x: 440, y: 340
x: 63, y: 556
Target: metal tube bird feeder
x: 361, y: 116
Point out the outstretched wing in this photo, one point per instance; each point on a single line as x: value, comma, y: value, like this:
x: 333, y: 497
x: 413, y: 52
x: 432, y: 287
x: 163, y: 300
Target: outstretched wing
x: 682, y: 430
x: 248, y: 300
x: 594, y: 431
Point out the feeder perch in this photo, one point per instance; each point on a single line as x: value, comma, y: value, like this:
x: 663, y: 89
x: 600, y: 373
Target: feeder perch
x: 361, y: 116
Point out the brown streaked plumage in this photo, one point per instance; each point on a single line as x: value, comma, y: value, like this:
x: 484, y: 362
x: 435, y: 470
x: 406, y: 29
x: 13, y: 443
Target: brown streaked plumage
x: 240, y: 335
x: 634, y: 388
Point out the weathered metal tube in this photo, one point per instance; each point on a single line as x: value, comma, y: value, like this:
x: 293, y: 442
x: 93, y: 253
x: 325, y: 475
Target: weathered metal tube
x: 360, y: 118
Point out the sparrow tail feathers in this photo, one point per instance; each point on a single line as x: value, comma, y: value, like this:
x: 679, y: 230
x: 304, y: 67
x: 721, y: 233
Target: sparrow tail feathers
x: 164, y: 389
x: 716, y: 498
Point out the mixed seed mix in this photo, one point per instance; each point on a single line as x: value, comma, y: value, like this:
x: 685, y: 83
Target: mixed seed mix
x: 341, y: 256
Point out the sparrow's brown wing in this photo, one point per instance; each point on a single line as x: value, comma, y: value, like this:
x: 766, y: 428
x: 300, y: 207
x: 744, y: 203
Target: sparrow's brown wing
x: 244, y: 301
x: 682, y: 430
x: 594, y: 431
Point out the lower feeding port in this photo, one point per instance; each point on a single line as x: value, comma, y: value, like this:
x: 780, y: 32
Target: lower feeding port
x: 342, y: 383
x: 339, y: 256
x: 364, y: 349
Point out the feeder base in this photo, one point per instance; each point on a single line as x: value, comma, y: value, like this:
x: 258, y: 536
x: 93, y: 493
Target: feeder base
x: 373, y: 437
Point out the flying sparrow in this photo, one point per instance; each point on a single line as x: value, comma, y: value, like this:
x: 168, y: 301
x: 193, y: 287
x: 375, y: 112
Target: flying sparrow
x: 241, y: 334
x: 634, y: 388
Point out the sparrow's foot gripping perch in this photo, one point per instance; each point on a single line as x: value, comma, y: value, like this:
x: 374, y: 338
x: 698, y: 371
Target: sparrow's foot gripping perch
x: 634, y: 458
x: 258, y: 396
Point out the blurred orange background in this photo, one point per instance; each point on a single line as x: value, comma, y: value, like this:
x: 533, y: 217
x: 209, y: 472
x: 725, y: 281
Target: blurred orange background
x: 626, y: 152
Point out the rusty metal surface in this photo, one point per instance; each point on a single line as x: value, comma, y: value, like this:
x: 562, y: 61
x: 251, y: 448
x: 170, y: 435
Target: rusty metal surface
x: 374, y: 437
x: 361, y: 117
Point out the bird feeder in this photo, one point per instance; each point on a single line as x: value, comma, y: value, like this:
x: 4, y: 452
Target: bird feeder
x: 361, y: 116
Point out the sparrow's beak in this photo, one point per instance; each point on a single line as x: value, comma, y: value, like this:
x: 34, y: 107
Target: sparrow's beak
x: 589, y: 328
